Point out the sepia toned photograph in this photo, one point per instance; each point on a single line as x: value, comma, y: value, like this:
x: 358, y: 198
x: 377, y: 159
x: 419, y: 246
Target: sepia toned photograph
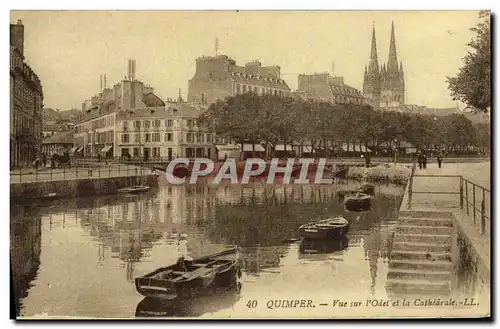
x: 246, y: 164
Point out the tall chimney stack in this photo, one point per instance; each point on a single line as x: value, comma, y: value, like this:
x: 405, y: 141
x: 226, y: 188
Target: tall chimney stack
x: 100, y: 81
x: 105, y: 85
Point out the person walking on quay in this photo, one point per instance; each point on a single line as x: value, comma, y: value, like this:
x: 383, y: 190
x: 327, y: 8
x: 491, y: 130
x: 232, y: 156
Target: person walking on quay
x: 439, y: 160
x: 99, y: 157
x: 44, y: 159
x: 424, y: 161
x: 419, y: 160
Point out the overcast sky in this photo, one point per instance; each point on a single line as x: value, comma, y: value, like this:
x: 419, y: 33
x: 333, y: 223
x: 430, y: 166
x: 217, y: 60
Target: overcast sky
x: 70, y: 49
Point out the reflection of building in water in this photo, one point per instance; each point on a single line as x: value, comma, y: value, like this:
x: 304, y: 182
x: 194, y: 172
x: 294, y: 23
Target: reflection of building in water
x: 25, y: 248
x: 257, y: 258
x: 372, y: 244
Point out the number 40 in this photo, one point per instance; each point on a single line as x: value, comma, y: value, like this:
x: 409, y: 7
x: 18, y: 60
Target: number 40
x: 252, y: 303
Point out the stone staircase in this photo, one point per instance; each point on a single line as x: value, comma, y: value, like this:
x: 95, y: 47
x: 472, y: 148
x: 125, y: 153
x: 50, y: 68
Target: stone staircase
x: 420, y: 262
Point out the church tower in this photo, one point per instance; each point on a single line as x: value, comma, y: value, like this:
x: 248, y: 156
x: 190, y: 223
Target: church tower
x: 371, y: 80
x: 392, y: 78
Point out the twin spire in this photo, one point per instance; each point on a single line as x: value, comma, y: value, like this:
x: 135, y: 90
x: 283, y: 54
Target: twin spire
x: 392, y: 63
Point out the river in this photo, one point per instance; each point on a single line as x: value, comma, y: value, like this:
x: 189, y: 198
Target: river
x: 79, y: 257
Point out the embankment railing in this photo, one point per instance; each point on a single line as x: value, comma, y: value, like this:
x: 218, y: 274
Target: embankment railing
x: 24, y: 175
x: 469, y: 199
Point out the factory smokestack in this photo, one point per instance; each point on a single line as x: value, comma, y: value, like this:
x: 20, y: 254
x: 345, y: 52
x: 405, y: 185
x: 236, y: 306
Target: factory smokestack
x: 100, y: 81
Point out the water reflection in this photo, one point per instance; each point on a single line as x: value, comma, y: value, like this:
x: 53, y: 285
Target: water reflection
x: 217, y: 300
x: 25, y: 249
x: 316, y: 246
x: 111, y: 240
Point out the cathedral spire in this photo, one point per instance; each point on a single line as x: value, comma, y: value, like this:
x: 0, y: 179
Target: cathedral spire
x: 373, y: 52
x: 392, y: 64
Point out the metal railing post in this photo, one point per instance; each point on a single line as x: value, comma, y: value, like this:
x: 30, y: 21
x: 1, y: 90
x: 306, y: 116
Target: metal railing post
x: 76, y: 169
x: 410, y: 185
x: 50, y: 171
x: 483, y: 216
x: 461, y: 193
x: 36, y: 174
x: 64, y: 173
x: 474, y: 201
x: 467, y: 196
x: 99, y: 172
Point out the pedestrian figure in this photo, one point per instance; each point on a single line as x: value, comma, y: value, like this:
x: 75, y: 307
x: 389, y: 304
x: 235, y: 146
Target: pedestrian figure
x: 424, y: 161
x: 440, y: 160
x: 44, y: 159
x: 99, y: 157
x: 419, y: 159
x: 367, y: 160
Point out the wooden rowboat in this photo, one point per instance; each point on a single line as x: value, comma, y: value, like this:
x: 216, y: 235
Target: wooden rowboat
x: 316, y: 246
x: 134, y: 189
x: 325, y: 229
x: 187, y: 278
x: 358, y: 202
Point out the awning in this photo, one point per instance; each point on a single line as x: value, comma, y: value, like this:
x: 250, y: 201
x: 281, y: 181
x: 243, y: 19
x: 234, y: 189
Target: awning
x: 356, y: 148
x: 248, y: 148
x: 73, y: 149
x: 281, y: 147
x: 79, y: 149
x: 228, y: 148
x: 307, y: 149
x: 106, y: 149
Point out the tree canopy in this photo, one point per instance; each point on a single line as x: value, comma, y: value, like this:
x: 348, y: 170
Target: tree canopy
x: 271, y: 120
x: 472, y: 85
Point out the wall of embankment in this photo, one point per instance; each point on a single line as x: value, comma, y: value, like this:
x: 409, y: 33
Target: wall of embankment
x: 78, y: 187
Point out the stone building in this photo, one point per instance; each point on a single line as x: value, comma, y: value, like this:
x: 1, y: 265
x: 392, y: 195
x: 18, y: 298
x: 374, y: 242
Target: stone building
x: 219, y: 77
x: 60, y: 143
x: 26, y: 103
x: 384, y: 86
x: 167, y: 131
x: 328, y: 88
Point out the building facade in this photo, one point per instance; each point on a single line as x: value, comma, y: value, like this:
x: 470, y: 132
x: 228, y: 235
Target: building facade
x: 59, y: 143
x: 219, y: 77
x: 26, y: 103
x: 384, y: 86
x: 147, y: 133
x: 328, y: 88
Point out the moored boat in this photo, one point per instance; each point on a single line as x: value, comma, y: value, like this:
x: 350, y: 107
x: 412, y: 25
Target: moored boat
x: 367, y: 189
x: 134, y: 189
x: 357, y: 202
x: 189, y: 277
x: 325, y: 229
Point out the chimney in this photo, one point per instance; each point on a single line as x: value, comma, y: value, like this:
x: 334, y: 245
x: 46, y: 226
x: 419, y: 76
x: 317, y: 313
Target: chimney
x: 100, y: 81
x: 19, y: 22
x: 105, y: 82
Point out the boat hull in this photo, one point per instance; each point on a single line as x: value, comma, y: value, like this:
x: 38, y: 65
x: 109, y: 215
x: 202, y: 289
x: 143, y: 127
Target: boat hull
x: 154, y: 285
x: 317, y: 246
x: 323, y: 233
x: 357, y: 204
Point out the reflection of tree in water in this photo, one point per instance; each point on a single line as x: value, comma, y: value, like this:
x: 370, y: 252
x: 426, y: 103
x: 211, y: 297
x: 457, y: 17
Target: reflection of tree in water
x: 257, y: 258
x: 25, y: 249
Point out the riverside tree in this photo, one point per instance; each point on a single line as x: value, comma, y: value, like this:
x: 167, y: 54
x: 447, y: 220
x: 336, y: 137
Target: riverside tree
x: 472, y: 85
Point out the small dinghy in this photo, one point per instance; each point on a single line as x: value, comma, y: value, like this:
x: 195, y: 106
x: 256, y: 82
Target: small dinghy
x: 357, y: 202
x: 134, y: 189
x: 343, y: 193
x: 188, y: 278
x: 325, y: 229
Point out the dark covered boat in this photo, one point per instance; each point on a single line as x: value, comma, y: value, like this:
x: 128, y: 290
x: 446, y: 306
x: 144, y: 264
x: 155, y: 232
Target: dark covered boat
x: 357, y: 202
x: 343, y: 193
x: 367, y: 189
x: 325, y: 229
x: 190, y: 277
x: 316, y: 246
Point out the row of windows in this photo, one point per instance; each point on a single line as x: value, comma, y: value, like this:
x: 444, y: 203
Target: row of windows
x: 241, y: 89
x: 198, y: 138
x: 347, y: 100
x: 24, y: 124
x: 25, y: 94
x: 155, y: 151
x: 148, y: 137
x: 146, y: 124
x: 103, y: 122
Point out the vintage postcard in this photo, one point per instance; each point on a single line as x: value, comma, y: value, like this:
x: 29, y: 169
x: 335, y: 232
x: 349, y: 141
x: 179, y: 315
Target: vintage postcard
x: 250, y: 164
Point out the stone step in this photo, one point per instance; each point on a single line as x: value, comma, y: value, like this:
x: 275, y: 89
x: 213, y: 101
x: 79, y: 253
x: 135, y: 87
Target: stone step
x: 420, y: 264
x: 401, y: 285
x: 418, y: 274
x: 427, y: 221
x: 425, y: 214
x: 420, y: 255
x: 417, y: 229
x: 424, y: 238
x: 421, y: 246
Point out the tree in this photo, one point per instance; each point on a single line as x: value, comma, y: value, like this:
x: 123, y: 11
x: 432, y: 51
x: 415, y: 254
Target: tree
x: 472, y: 85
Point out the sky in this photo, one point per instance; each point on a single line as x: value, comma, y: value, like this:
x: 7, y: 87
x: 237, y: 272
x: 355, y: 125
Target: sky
x: 69, y: 50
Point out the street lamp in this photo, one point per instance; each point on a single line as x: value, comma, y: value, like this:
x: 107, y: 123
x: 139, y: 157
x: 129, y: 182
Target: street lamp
x: 395, y: 149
